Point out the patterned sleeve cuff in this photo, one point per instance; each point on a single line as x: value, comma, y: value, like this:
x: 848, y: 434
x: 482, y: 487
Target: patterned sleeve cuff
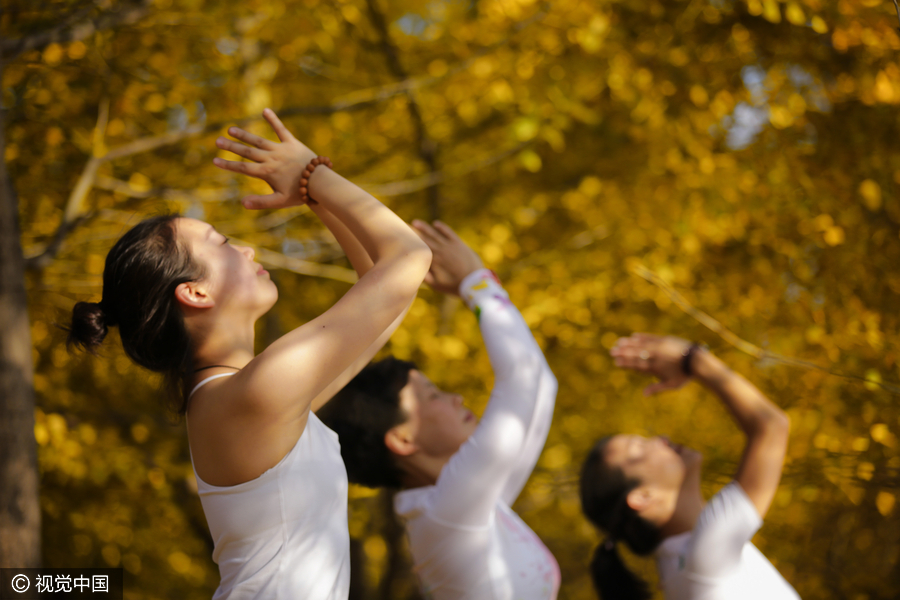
x: 481, y: 284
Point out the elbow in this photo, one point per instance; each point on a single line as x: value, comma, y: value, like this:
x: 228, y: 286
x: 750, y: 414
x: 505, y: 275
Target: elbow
x: 406, y: 249
x: 775, y: 425
x: 411, y: 264
x: 782, y: 423
x: 552, y: 385
x: 412, y: 245
x: 417, y: 255
x: 422, y: 255
x: 548, y: 382
x: 778, y: 420
x: 420, y: 261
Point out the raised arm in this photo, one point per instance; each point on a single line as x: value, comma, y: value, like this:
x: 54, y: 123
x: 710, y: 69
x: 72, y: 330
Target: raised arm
x: 497, y: 460
x: 285, y: 378
x: 361, y: 262
x: 766, y: 426
x: 356, y: 253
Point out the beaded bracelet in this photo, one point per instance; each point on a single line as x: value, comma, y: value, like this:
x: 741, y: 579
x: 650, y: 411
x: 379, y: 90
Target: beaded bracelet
x: 307, y: 173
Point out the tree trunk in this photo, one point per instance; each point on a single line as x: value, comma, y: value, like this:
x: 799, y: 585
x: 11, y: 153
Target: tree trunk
x: 20, y: 514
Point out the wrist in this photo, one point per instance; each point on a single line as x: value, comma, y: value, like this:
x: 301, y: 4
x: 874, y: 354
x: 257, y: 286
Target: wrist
x: 687, y: 357
x: 707, y: 369
x: 475, y: 277
x: 478, y: 283
x: 306, y: 177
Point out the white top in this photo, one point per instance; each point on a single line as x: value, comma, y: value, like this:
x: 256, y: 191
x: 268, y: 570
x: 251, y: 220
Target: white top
x: 466, y: 542
x: 283, y: 535
x: 716, y: 560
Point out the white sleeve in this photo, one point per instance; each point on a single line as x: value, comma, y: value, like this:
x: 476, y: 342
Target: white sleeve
x: 497, y: 459
x: 536, y: 436
x: 727, y: 523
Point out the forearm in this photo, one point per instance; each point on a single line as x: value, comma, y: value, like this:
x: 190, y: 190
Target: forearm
x: 522, y: 378
x: 381, y: 233
x: 755, y: 414
x: 358, y: 365
x: 511, y: 346
x: 356, y: 253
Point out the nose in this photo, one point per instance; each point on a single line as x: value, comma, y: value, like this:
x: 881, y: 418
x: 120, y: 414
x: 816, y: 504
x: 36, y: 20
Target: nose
x: 248, y: 252
x: 457, y: 400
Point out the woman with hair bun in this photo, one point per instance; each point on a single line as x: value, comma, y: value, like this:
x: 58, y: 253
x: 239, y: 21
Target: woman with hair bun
x: 185, y: 300
x: 645, y: 492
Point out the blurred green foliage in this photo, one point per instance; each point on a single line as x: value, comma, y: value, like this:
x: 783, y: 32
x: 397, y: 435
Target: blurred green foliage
x: 746, y: 151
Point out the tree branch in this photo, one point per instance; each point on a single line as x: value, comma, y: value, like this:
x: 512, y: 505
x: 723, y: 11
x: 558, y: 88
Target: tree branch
x: 742, y: 345
x: 427, y: 148
x: 354, y: 101
x: 78, y: 26
x: 87, y: 179
x: 39, y: 259
x: 433, y: 178
x: 278, y: 260
x: 394, y: 188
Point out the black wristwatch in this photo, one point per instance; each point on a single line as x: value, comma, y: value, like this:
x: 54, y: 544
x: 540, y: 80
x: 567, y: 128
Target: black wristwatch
x: 688, y: 356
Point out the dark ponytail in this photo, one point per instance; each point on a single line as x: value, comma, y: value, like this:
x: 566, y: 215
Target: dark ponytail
x: 140, y: 276
x: 612, y: 579
x: 604, y: 499
x: 90, y: 324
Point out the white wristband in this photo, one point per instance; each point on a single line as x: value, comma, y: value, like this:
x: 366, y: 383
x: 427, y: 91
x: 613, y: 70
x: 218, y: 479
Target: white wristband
x: 479, y: 284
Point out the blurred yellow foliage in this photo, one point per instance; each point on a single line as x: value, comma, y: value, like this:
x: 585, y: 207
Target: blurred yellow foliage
x: 745, y: 152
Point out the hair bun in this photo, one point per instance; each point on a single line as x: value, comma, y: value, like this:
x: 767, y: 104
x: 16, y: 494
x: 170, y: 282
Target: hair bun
x: 90, y: 324
x: 109, y: 317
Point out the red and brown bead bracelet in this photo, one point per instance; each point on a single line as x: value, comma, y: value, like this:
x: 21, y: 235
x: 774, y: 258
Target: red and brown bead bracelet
x: 307, y: 173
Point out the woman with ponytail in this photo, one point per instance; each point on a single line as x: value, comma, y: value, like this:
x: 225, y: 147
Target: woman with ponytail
x: 645, y: 492
x: 185, y: 300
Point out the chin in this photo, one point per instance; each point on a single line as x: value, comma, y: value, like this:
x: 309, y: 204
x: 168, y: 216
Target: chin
x: 272, y: 299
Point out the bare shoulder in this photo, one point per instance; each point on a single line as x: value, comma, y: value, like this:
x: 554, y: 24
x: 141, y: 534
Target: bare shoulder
x: 231, y: 444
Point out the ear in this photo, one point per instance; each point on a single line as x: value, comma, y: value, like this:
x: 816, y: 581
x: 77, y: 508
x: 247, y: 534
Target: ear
x: 400, y: 441
x: 192, y: 294
x: 639, y: 499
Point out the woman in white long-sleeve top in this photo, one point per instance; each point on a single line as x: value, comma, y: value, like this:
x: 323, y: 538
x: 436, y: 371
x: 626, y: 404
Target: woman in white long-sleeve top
x: 458, y: 476
x: 645, y: 492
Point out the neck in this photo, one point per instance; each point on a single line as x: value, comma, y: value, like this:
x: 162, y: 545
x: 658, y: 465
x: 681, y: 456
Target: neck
x: 223, y: 346
x: 420, y: 470
x: 688, y: 507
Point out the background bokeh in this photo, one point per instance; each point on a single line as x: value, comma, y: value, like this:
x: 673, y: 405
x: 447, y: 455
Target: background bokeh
x: 746, y: 152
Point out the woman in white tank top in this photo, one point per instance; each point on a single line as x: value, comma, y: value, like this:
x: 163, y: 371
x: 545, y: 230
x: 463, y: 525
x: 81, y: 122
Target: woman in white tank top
x: 646, y: 492
x: 270, y: 475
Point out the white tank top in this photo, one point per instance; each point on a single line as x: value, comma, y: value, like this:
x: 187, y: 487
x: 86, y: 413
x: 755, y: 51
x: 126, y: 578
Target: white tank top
x: 283, y: 535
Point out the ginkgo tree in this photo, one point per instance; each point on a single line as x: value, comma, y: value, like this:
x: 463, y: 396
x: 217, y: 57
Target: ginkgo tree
x: 724, y: 170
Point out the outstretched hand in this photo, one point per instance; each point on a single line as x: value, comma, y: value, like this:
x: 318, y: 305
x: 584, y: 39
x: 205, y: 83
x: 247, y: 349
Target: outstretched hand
x: 653, y: 354
x: 278, y: 164
x: 451, y: 259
